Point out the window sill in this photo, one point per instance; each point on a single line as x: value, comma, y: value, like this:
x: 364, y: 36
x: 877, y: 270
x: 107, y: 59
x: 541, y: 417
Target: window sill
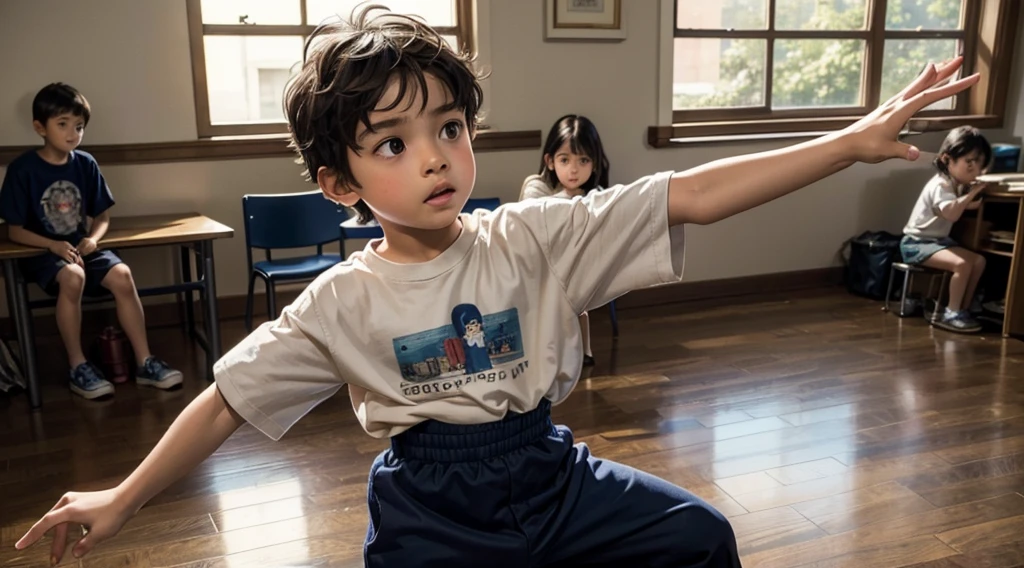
x: 251, y: 147
x: 688, y: 134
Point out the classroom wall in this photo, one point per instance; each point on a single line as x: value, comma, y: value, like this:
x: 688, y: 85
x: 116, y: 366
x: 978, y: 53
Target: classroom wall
x: 132, y: 61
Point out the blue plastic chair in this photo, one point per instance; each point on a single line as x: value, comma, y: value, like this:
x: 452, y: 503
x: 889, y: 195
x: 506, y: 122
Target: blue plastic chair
x: 283, y: 221
x: 474, y: 203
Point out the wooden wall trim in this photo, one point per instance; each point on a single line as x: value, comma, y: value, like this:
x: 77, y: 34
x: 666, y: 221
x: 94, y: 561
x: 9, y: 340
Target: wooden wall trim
x: 233, y: 307
x: 250, y: 148
x: 739, y: 130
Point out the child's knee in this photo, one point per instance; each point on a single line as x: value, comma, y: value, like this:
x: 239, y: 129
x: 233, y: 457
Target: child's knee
x: 71, y: 280
x: 119, y: 280
x: 979, y: 262
x: 962, y: 265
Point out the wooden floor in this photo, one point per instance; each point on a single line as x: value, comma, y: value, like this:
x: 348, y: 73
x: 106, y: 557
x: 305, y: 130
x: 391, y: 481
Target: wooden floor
x: 830, y: 434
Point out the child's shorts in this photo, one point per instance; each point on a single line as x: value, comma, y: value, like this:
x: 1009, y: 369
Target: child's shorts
x: 43, y: 270
x: 517, y: 492
x: 916, y: 251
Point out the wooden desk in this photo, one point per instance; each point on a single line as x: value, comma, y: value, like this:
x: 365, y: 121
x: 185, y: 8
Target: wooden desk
x: 1006, y: 209
x: 191, y: 231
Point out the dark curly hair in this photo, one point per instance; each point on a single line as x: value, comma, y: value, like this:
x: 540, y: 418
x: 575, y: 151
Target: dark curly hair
x: 347, y: 67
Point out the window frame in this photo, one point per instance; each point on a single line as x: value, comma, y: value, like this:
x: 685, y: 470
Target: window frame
x: 198, y: 31
x: 988, y: 37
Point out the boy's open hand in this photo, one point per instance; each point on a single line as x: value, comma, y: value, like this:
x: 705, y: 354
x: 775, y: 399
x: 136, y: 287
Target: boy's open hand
x: 101, y: 513
x: 874, y: 138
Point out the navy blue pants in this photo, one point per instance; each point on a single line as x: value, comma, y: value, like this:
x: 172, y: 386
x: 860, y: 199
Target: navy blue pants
x: 518, y: 493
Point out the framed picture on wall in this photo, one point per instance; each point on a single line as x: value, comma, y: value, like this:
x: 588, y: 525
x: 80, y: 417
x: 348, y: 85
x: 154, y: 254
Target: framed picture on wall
x: 584, y: 19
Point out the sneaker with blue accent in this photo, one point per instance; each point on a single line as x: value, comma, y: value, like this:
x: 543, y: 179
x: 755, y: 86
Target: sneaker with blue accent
x: 87, y: 382
x: 156, y: 373
x: 959, y: 322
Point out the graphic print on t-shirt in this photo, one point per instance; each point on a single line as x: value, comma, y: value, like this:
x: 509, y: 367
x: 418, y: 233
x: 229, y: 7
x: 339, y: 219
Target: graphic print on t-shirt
x: 62, y: 208
x: 473, y: 348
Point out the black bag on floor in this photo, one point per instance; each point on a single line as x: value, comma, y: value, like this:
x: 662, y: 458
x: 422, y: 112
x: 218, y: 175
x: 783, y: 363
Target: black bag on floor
x: 11, y: 379
x: 870, y: 259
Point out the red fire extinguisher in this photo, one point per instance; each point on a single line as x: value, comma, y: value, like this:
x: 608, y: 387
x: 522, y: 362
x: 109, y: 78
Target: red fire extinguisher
x: 115, y: 356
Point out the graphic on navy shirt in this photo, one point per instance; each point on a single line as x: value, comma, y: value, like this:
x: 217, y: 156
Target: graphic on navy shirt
x: 471, y: 349
x: 62, y: 208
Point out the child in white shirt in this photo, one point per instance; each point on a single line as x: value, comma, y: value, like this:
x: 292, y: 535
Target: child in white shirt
x: 963, y: 156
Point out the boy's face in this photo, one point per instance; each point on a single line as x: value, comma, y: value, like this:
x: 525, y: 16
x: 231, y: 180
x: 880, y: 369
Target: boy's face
x: 416, y: 169
x: 63, y: 132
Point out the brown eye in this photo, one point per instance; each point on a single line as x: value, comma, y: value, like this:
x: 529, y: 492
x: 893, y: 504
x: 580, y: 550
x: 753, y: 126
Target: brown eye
x: 391, y: 147
x: 451, y: 130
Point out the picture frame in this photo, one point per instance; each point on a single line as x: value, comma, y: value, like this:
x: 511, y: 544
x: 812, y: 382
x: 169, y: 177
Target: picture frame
x: 584, y: 20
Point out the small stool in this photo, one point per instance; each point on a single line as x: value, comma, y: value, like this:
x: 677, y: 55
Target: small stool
x: 908, y: 271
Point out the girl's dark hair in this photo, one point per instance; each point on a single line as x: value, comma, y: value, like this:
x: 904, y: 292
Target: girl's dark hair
x: 346, y: 69
x: 582, y: 136
x: 56, y: 99
x: 960, y: 142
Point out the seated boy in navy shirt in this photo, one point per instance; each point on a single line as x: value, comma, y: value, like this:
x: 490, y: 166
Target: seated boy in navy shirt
x: 48, y: 197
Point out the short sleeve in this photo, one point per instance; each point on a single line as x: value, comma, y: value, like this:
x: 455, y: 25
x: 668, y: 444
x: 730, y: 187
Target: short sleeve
x: 609, y: 242
x: 941, y: 194
x: 99, y: 196
x: 15, y: 207
x: 282, y: 370
x: 535, y: 187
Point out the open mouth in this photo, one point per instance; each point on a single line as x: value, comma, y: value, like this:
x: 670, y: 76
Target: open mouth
x: 441, y: 194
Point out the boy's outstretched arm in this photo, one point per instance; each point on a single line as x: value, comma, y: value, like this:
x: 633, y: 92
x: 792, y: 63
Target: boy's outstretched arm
x: 712, y: 192
x: 195, y: 434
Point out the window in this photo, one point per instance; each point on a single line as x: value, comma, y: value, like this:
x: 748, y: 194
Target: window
x: 742, y: 67
x: 244, y: 52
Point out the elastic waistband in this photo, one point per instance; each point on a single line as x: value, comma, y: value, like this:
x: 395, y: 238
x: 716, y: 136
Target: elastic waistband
x: 443, y: 442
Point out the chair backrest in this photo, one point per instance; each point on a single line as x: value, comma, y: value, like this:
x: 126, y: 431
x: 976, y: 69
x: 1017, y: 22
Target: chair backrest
x: 474, y: 203
x: 290, y: 220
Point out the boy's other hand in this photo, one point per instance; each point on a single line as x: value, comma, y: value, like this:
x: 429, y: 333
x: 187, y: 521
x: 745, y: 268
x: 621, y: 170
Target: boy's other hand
x: 874, y: 138
x: 87, y: 246
x: 64, y: 250
x: 101, y: 514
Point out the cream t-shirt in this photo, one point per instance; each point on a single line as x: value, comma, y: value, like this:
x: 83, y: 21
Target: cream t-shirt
x: 487, y: 327
x: 926, y: 220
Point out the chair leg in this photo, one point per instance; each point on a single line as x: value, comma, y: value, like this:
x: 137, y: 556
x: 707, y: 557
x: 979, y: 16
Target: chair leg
x: 938, y: 299
x: 271, y: 301
x: 249, y: 301
x: 931, y: 290
x: 908, y: 279
x: 888, y: 290
x: 615, y: 318
x: 931, y: 285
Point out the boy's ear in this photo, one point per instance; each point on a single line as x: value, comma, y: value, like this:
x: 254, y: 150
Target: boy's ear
x: 39, y: 127
x: 333, y: 189
x: 549, y: 161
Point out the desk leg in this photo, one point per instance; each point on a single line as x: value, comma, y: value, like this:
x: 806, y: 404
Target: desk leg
x: 211, y: 316
x: 186, y: 277
x: 17, y: 303
x: 1013, y: 312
